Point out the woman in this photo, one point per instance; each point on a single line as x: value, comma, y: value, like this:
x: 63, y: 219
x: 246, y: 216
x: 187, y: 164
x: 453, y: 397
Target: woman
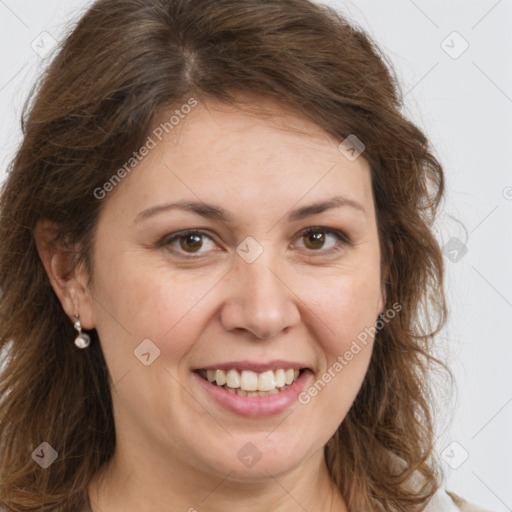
x: 221, y: 229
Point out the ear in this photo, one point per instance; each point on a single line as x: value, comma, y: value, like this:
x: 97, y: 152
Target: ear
x: 69, y: 282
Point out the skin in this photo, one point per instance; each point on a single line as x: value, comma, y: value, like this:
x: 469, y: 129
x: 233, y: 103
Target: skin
x: 175, y: 446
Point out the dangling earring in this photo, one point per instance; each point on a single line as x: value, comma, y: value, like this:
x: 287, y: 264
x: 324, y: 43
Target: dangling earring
x: 82, y: 340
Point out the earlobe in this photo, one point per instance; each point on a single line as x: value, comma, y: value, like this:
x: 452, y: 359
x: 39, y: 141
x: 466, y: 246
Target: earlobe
x: 68, y: 283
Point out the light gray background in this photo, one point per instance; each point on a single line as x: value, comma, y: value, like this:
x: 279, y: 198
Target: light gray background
x: 464, y: 103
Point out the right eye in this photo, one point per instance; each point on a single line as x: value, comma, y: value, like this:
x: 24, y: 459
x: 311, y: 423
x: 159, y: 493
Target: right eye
x: 188, y: 242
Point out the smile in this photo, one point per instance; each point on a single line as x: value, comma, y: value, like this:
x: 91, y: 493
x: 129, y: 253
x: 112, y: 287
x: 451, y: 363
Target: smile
x: 250, y: 383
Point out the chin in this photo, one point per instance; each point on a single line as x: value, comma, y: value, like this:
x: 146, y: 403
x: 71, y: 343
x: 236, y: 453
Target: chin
x: 256, y: 458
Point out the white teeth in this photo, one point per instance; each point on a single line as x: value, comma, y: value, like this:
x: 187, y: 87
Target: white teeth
x: 252, y: 383
x: 249, y: 381
x: 266, y: 381
x: 233, y: 379
x: 220, y: 377
x: 280, y: 378
x: 288, y: 375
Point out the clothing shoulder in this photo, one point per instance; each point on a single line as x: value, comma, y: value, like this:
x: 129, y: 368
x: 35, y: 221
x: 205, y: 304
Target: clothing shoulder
x: 443, y: 500
x: 464, y: 505
x: 447, y: 501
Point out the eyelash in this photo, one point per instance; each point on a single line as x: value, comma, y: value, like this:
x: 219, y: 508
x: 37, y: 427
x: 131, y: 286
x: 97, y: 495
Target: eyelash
x: 340, y: 236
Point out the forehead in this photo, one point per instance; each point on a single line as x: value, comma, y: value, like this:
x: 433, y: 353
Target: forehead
x: 262, y: 156
x: 261, y: 127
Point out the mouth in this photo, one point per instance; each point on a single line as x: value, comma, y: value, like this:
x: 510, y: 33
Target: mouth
x: 250, y: 383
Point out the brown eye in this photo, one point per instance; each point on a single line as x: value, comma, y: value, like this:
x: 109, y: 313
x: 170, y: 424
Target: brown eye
x: 187, y: 242
x: 315, y: 239
x: 193, y: 241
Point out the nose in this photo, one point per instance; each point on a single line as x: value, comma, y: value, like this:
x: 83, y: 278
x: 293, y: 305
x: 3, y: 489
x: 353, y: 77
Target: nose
x: 259, y: 300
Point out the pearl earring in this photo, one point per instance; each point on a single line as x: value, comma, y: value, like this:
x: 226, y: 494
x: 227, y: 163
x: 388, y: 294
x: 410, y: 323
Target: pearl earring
x: 82, y: 340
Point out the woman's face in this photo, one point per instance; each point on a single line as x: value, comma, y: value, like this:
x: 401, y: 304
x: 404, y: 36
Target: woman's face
x: 251, y: 297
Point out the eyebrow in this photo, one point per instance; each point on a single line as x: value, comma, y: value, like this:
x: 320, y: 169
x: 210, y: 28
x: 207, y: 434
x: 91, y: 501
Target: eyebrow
x: 213, y: 212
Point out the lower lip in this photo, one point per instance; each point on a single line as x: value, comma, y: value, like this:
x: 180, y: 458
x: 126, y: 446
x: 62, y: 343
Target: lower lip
x: 255, y: 405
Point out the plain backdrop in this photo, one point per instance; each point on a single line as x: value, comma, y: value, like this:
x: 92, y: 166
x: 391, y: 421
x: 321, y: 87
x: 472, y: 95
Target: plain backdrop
x: 453, y: 59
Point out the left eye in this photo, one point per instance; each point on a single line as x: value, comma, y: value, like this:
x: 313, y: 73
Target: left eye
x: 317, y: 236
x: 190, y: 242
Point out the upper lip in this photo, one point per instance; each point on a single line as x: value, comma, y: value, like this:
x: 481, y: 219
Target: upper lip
x: 254, y: 365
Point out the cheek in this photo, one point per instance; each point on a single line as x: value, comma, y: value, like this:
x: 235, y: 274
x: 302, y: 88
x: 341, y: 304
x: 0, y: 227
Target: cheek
x: 141, y: 300
x: 345, y: 308
x: 346, y: 318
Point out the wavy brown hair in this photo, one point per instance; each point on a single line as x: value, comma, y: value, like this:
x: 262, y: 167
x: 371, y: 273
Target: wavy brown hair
x: 123, y: 63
